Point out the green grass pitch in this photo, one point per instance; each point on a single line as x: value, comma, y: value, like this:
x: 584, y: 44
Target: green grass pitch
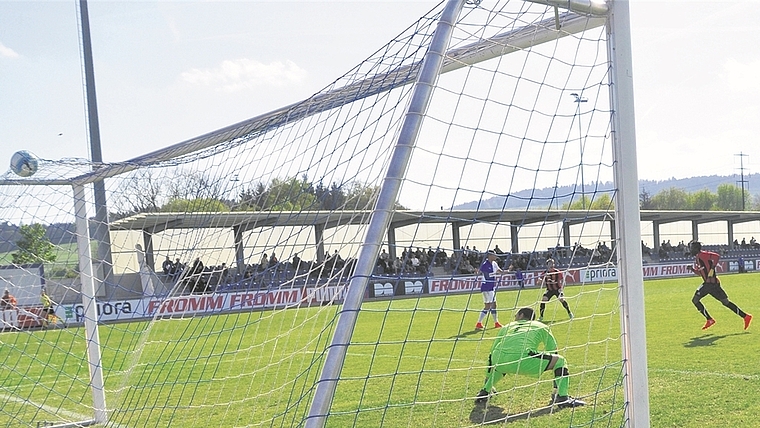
x: 412, y: 363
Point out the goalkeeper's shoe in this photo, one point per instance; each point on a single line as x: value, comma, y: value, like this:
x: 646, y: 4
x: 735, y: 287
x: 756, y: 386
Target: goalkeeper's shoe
x: 498, y: 324
x: 563, y: 401
x: 747, y: 321
x: 482, y: 397
x: 479, y: 326
x: 709, y: 323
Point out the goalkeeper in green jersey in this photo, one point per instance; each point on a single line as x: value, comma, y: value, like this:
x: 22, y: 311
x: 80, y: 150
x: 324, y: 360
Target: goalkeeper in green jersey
x: 527, y: 347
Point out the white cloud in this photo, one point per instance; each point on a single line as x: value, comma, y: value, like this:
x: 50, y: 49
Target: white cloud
x: 7, y: 52
x: 240, y: 74
x: 741, y: 77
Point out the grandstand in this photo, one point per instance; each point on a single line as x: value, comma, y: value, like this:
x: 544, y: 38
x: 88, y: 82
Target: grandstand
x: 563, y: 246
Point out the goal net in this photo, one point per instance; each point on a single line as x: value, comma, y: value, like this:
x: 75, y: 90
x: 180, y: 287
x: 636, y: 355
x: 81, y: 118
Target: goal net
x: 320, y: 264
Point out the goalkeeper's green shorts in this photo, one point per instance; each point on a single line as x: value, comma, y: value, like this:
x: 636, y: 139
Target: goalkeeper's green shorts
x: 530, y: 365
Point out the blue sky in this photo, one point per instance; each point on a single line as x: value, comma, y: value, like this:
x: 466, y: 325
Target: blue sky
x: 170, y: 71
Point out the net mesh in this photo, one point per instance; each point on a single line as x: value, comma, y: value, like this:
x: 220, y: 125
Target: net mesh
x: 230, y: 254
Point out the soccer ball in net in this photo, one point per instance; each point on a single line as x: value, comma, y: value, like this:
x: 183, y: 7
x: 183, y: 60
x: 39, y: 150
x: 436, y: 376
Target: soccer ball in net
x: 23, y: 163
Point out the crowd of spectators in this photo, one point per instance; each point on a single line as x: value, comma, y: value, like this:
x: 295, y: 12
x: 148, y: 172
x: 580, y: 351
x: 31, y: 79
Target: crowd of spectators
x: 464, y: 261
x: 198, y: 278
x: 271, y: 271
x: 667, y: 250
x: 411, y: 262
x: 744, y: 245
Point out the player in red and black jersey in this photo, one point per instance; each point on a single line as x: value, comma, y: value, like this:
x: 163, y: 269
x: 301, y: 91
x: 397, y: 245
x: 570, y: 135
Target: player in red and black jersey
x: 552, y: 280
x: 705, y: 263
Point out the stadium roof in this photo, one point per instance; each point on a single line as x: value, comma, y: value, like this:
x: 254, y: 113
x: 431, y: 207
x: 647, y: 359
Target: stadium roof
x: 156, y: 222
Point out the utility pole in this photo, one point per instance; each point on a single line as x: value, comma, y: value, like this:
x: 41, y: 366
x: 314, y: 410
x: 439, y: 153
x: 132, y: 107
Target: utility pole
x: 742, y: 181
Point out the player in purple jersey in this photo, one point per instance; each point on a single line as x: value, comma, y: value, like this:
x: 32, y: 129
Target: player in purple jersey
x: 488, y: 288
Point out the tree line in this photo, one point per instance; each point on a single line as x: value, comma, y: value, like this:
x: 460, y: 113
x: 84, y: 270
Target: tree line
x: 728, y: 197
x: 144, y: 192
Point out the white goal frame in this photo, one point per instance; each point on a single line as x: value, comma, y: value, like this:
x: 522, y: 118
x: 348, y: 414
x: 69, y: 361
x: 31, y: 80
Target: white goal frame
x: 614, y: 14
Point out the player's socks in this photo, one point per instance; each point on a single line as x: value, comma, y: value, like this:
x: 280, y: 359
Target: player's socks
x: 735, y: 309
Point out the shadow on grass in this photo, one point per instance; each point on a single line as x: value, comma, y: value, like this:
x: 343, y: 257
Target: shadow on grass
x: 468, y: 333
x: 484, y: 414
x: 707, y: 340
x: 475, y: 332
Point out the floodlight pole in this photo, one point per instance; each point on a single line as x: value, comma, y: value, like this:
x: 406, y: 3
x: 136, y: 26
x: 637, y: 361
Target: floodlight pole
x: 578, y: 100
x: 382, y: 214
x: 100, y: 233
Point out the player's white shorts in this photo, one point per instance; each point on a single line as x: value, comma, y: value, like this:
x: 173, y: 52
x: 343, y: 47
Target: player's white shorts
x: 489, y: 296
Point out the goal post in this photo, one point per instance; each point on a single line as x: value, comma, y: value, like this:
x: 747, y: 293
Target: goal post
x: 92, y: 335
x: 627, y: 213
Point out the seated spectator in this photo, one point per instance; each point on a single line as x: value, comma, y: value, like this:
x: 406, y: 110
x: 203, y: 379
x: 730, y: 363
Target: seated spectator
x: 424, y: 260
x: 296, y: 262
x: 519, y: 278
x: 645, y: 249
x: 415, y: 262
x: 197, y: 266
x: 177, y: 269
x: 264, y: 263
x: 248, y: 272
x: 273, y: 261
x: 337, y: 260
x: 440, y: 257
x: 167, y: 266
x: 465, y: 267
x: 384, y: 256
x: 662, y: 253
x: 475, y: 257
x: 7, y: 302
x: 431, y: 255
x: 197, y: 282
x: 397, y: 266
x: 225, y: 276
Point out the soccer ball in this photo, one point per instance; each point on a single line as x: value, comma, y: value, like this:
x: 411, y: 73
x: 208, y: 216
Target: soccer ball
x: 23, y: 163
